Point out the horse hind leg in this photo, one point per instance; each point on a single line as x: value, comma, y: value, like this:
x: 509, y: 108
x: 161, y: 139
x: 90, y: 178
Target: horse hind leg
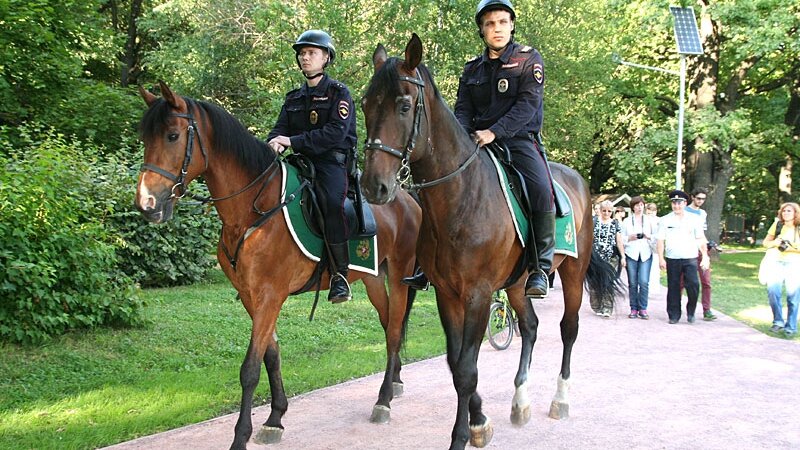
x: 528, y: 325
x: 391, y: 310
x: 249, y: 374
x: 573, y: 294
x: 271, y: 431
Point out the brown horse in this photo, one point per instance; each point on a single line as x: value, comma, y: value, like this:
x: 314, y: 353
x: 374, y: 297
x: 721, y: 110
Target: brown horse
x: 186, y: 138
x: 467, y: 245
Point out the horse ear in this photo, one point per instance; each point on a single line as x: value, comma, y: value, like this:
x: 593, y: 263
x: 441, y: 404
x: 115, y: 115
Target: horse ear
x: 175, y: 101
x: 379, y: 57
x: 148, y: 96
x: 413, y: 52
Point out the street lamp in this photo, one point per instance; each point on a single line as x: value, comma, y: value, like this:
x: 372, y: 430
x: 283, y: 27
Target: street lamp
x: 687, y: 38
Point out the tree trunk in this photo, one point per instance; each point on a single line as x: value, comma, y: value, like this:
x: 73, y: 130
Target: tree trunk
x: 131, y: 56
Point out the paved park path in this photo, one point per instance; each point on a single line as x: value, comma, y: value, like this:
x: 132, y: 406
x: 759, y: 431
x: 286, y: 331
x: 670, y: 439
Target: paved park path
x: 636, y: 384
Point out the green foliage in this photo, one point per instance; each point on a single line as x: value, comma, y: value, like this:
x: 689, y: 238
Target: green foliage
x: 58, y: 269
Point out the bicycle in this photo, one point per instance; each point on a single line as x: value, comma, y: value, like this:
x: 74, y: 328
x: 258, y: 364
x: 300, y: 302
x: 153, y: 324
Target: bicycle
x: 502, y: 322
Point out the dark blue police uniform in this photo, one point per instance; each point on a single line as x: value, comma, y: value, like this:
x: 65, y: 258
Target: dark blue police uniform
x: 321, y: 124
x: 504, y: 95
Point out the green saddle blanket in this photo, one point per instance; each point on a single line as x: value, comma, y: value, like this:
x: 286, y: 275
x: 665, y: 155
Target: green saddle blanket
x: 566, y: 243
x: 363, y: 252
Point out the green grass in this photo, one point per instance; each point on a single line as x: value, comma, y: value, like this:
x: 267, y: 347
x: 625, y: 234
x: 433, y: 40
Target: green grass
x: 92, y: 389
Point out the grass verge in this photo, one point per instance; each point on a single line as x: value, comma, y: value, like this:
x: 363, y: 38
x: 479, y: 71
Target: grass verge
x: 87, y: 390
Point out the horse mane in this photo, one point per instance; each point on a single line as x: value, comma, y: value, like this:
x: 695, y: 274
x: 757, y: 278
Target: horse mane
x: 229, y: 136
x: 387, y: 82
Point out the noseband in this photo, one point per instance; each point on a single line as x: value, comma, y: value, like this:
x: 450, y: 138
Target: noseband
x: 403, y: 175
x: 179, y: 188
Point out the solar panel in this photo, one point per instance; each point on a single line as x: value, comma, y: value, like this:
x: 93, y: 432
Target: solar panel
x: 686, y: 34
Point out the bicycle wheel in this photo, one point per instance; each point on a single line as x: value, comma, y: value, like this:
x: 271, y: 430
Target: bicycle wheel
x: 499, y: 330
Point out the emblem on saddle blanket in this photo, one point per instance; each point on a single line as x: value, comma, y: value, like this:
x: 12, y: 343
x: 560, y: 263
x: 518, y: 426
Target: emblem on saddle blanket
x: 363, y: 252
x: 565, y: 233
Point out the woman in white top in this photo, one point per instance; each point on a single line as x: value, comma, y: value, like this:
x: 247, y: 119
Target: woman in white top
x: 654, y: 287
x: 637, y: 231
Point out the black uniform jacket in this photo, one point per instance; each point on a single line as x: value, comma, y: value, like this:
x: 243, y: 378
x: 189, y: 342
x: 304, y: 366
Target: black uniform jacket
x: 503, y: 95
x: 318, y: 120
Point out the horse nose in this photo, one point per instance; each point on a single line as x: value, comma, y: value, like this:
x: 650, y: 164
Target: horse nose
x: 375, y: 191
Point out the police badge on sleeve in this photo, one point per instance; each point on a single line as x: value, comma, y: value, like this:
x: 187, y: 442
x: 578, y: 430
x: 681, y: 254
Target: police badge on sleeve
x: 344, y: 109
x: 538, y: 73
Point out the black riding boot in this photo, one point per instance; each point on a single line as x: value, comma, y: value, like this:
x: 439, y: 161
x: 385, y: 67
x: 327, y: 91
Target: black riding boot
x: 544, y: 225
x: 418, y: 281
x: 340, y: 288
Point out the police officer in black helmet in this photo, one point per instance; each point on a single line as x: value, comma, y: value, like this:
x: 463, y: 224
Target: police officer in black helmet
x: 500, y: 99
x: 318, y: 120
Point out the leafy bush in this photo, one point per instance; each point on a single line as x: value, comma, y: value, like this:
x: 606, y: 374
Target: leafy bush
x: 58, y: 270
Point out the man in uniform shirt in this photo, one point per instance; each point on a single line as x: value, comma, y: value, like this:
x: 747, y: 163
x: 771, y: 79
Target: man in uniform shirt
x: 680, y: 236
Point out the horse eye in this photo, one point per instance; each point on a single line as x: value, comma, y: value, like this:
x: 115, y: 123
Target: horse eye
x: 172, y: 137
x: 405, y: 107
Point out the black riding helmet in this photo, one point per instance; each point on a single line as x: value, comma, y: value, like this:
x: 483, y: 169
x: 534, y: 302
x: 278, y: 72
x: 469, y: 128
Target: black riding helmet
x: 488, y: 5
x: 315, y: 38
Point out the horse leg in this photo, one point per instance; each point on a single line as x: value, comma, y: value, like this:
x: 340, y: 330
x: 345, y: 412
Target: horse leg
x: 464, y: 323
x: 272, y: 430
x: 528, y: 325
x: 391, y: 311
x: 249, y: 374
x: 573, y: 293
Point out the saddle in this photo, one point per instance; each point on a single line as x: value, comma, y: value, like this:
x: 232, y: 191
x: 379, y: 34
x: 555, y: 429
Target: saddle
x: 517, y: 183
x: 359, y: 216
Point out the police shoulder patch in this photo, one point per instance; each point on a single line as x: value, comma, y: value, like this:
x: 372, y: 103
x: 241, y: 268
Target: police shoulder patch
x: 344, y: 109
x: 538, y: 73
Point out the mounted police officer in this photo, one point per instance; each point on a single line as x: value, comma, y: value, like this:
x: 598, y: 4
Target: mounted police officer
x: 318, y: 120
x: 500, y: 99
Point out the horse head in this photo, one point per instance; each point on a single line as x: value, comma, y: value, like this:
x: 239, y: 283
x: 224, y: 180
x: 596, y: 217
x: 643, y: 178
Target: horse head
x: 393, y: 106
x: 171, y: 140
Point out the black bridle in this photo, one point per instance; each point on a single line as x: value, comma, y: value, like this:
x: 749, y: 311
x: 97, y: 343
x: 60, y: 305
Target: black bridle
x: 403, y: 175
x: 180, y: 179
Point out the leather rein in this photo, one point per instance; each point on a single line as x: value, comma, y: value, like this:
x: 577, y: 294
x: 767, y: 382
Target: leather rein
x: 403, y: 175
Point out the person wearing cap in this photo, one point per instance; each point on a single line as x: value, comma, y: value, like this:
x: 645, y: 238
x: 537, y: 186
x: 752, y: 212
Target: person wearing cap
x: 699, y: 195
x: 318, y: 120
x: 680, y: 236
x: 499, y: 98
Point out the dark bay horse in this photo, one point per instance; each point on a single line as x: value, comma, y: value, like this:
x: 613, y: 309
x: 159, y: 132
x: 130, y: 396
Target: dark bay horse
x: 186, y: 138
x: 467, y: 244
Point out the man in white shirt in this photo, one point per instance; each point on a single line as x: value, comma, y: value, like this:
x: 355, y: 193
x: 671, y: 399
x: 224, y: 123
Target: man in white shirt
x: 698, y: 198
x: 680, y: 236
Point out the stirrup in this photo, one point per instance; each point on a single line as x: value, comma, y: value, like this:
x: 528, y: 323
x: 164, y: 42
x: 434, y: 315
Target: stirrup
x: 339, y: 297
x: 537, y: 285
x: 418, y: 281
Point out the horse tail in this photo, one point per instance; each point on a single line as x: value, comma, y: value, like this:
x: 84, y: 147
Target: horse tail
x: 602, y: 279
x: 412, y: 294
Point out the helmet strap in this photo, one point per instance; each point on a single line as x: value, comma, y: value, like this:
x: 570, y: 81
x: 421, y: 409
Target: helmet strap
x: 311, y: 77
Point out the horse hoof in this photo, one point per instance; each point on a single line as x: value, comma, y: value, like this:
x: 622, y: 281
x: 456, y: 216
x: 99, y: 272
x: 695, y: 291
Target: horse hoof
x: 397, y: 389
x: 268, y: 435
x: 481, y: 435
x: 520, y: 416
x: 559, y: 410
x: 380, y: 414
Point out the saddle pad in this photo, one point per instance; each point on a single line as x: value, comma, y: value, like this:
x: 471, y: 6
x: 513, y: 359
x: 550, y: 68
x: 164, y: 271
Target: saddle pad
x: 566, y: 243
x: 363, y: 252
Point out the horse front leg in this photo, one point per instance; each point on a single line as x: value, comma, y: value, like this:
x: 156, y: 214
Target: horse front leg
x: 464, y: 324
x: 528, y: 325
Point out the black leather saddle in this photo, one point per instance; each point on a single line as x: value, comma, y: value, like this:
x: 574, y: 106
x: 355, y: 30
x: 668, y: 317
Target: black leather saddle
x: 359, y: 216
